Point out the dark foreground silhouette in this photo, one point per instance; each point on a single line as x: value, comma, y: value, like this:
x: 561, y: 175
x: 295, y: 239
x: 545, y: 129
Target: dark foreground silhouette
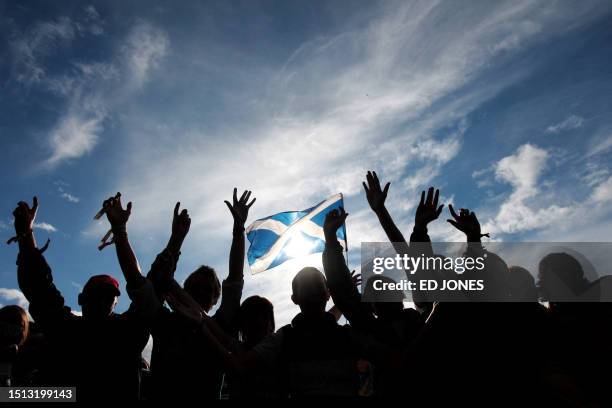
x: 504, y: 353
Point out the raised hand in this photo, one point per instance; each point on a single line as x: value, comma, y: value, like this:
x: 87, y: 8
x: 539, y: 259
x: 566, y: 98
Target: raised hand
x: 375, y: 195
x: 240, y: 208
x: 428, y: 209
x: 180, y: 222
x: 467, y: 223
x: 117, y: 216
x: 25, y: 216
x: 333, y: 220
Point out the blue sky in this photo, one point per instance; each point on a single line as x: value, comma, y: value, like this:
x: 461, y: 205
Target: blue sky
x: 504, y: 105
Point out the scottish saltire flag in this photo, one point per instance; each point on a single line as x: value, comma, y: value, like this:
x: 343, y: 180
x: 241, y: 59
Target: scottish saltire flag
x: 288, y: 235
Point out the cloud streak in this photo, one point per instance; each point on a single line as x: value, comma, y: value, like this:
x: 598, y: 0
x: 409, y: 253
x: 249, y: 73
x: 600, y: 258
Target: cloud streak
x: 14, y: 297
x: 45, y: 226
x: 571, y: 122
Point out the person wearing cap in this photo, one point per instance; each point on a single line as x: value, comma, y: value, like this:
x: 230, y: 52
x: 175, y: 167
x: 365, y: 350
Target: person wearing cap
x: 99, y: 352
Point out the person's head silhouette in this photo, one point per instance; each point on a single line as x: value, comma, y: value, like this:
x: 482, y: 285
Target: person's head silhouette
x: 204, y: 287
x: 522, y: 285
x: 255, y: 320
x: 99, y: 296
x: 14, y: 328
x: 560, y: 277
x: 310, y: 291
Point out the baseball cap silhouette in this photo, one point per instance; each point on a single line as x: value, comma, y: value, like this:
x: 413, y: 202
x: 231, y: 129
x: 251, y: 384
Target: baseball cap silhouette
x: 101, y: 282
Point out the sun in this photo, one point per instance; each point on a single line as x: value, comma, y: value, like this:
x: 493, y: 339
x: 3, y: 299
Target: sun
x: 299, y: 245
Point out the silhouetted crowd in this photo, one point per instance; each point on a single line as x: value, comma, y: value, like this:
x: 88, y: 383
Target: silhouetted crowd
x: 532, y: 352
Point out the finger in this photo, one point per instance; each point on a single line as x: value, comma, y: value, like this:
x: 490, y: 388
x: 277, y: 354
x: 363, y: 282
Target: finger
x: 429, y: 199
x: 251, y: 203
x: 452, y: 211
x: 454, y: 223
x: 129, y: 208
x: 34, y: 204
x: 422, y: 202
x: 247, y: 197
x: 176, y: 208
x: 436, y: 197
x: 473, y: 217
x: 376, y: 181
x: 439, y: 211
x: 230, y: 207
x: 343, y: 213
x: 386, y: 190
x: 370, y: 180
x: 365, y: 187
x: 118, y: 201
x: 235, y: 194
x: 243, y: 195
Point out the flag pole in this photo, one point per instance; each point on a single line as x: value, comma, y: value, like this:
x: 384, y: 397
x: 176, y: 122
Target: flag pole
x: 345, y: 236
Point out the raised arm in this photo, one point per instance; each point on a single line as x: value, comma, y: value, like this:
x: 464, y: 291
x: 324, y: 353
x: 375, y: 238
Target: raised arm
x: 118, y: 217
x: 24, y: 225
x: 231, y: 289
x: 162, y: 270
x: 335, y: 310
x: 376, y: 198
x: 33, y: 273
x: 339, y: 279
x: 239, y: 209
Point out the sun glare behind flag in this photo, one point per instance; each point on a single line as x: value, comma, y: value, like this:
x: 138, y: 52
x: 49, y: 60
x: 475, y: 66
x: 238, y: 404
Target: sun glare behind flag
x: 290, y: 235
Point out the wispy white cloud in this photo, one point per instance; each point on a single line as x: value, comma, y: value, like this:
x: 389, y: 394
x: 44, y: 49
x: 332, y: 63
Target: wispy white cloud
x: 392, y: 95
x: 145, y: 46
x: 62, y: 186
x: 94, y: 90
x: 603, y: 192
x: 600, y: 143
x: 90, y: 22
x: 69, y: 197
x: 34, y: 44
x: 571, y: 122
x: 74, y: 136
x: 45, y: 226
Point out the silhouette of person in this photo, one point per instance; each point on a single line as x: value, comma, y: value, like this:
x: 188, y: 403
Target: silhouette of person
x: 99, y: 350
x: 182, y: 366
x: 14, y: 329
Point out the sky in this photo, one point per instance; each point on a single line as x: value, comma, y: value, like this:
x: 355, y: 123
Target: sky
x: 505, y: 106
